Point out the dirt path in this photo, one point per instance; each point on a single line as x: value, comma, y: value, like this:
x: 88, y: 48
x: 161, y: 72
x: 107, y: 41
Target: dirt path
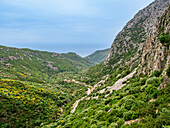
x: 89, y: 91
x: 76, y: 104
x: 131, y: 121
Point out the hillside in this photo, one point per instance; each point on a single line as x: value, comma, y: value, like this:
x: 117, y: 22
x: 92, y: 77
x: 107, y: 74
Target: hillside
x: 98, y: 56
x: 32, y: 86
x: 130, y: 89
x: 136, y: 98
x: 128, y: 44
x: 32, y: 62
x: 137, y: 29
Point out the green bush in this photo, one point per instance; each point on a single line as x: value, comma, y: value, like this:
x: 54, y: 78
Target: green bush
x: 127, y: 115
x: 153, y: 81
x: 168, y: 71
x: 156, y: 73
x: 120, y: 122
x: 164, y: 38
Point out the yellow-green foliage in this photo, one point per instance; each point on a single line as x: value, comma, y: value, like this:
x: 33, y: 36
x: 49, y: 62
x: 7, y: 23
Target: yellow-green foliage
x: 21, y: 102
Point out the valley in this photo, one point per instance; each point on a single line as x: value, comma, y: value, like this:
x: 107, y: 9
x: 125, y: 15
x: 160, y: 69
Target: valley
x: 125, y: 86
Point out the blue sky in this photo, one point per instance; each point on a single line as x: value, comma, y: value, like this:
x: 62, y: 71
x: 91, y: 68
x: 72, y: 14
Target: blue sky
x: 81, y: 26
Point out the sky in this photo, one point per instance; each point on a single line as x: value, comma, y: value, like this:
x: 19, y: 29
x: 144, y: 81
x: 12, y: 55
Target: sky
x: 81, y: 26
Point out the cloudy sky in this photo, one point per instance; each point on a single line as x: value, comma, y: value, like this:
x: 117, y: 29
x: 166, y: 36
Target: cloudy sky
x: 80, y: 26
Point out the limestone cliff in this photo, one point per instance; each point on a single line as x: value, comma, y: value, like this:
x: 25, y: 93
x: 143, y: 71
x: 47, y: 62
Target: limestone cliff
x: 136, y: 31
x: 155, y: 54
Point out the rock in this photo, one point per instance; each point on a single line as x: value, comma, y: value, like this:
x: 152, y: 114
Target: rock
x: 137, y: 29
x: 12, y: 58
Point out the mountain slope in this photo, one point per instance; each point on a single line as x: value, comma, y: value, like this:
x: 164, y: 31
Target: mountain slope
x: 137, y: 29
x: 32, y: 86
x: 31, y: 61
x: 129, y: 99
x: 128, y: 44
x: 98, y: 56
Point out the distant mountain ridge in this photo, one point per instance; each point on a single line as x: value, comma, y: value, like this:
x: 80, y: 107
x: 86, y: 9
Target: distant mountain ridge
x: 31, y: 61
x: 98, y: 56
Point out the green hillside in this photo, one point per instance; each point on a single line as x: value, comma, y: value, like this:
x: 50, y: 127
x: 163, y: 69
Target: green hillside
x: 33, y: 64
x: 130, y: 89
x: 133, y: 93
x: 98, y: 56
x: 32, y: 86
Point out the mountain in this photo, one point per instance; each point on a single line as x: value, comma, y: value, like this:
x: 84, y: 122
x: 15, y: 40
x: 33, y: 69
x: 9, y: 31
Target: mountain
x: 129, y: 42
x: 98, y: 56
x: 34, y: 86
x: 129, y: 98
x: 130, y: 89
x: 136, y: 30
x: 31, y: 61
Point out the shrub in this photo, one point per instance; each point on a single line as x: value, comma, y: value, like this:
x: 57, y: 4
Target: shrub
x: 127, y: 115
x: 164, y: 37
x: 128, y: 104
x: 156, y: 73
x: 153, y: 81
x: 120, y: 122
x: 93, y: 126
x: 168, y: 71
x: 142, y: 81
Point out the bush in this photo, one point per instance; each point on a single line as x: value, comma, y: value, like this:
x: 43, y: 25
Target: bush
x: 168, y: 71
x: 127, y: 115
x: 153, y: 81
x: 93, y: 126
x: 156, y: 73
x: 120, y: 122
x: 164, y: 37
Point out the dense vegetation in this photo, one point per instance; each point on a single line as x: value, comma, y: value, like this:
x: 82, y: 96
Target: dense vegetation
x: 39, y: 89
x: 139, y: 100
x: 27, y: 104
x: 34, y: 92
x: 98, y: 56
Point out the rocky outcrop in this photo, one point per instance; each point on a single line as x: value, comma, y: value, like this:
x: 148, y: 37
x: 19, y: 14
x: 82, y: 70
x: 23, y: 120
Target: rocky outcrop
x: 155, y: 55
x: 137, y: 30
x: 51, y: 66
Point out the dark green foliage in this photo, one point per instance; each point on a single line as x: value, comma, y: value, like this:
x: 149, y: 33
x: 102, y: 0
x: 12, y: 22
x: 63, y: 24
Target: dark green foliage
x: 156, y: 73
x: 98, y: 56
x: 165, y: 38
x: 124, y: 106
x: 168, y: 71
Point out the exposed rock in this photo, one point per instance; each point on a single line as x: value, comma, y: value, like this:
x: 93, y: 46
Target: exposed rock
x: 8, y: 64
x: 137, y: 29
x: 3, y: 59
x: 55, y: 54
x: 52, y: 67
x: 155, y: 55
x: 119, y: 84
x: 12, y: 58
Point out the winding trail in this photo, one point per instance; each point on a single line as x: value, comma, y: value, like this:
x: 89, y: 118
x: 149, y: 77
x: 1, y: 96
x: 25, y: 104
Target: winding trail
x: 89, y: 91
x: 118, y: 85
x: 76, y: 104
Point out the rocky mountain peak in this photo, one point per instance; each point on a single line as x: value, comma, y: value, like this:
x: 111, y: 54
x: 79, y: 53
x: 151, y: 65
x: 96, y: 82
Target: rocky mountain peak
x: 136, y: 30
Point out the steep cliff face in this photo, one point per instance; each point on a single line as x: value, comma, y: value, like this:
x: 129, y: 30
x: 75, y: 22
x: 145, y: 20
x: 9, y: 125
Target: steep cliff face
x: 136, y: 31
x: 155, y: 55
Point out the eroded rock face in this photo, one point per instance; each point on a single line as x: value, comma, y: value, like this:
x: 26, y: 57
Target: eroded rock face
x: 137, y: 29
x: 155, y: 55
x: 51, y: 66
